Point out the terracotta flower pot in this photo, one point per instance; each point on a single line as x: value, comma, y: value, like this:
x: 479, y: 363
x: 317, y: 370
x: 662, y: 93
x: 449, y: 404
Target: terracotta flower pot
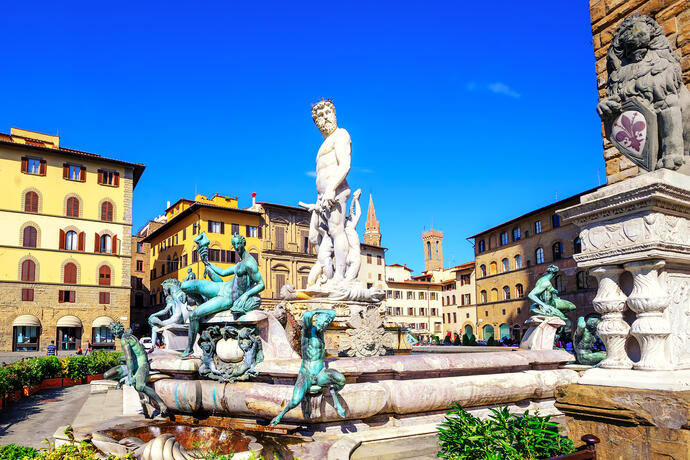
x: 91, y: 378
x: 51, y: 383
x: 15, y: 395
x: 66, y: 382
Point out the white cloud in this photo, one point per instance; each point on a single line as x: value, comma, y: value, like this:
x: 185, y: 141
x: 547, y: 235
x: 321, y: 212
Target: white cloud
x: 310, y: 173
x: 502, y: 88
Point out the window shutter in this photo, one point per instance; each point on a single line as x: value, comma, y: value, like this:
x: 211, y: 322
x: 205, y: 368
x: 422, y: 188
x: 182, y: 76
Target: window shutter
x: 62, y: 239
x: 261, y: 231
x: 246, y: 230
x: 25, y: 164
x: 114, y: 244
x: 222, y: 228
x: 82, y: 174
x: 65, y: 171
x: 81, y: 241
x: 100, y: 176
x: 116, y: 179
x: 97, y: 244
x: 62, y: 296
x: 42, y: 168
x: 222, y: 256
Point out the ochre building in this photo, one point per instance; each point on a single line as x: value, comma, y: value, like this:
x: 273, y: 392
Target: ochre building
x: 458, y: 301
x: 509, y: 259
x: 65, y: 232
x: 141, y: 305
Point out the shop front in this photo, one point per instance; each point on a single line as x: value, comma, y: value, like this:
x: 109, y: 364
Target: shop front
x: 26, y: 331
x: 69, y: 331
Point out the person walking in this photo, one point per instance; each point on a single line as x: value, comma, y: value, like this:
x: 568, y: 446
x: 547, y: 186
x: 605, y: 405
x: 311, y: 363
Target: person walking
x: 88, y: 349
x: 51, y: 350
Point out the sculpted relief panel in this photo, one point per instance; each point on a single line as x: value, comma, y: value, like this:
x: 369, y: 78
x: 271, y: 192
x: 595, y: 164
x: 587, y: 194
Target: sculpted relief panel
x: 679, y: 318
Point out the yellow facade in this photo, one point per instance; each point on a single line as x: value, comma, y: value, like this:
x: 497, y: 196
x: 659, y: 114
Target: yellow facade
x: 172, y: 245
x: 49, y: 219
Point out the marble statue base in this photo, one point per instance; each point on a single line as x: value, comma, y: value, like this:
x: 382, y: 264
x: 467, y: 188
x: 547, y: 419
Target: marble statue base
x: 175, y: 336
x: 541, y: 332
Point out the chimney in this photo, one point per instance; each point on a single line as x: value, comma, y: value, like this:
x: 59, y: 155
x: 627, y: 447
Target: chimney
x: 167, y: 204
x: 253, y: 199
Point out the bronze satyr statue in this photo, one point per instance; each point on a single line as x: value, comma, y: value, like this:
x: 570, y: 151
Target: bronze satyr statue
x: 585, y: 338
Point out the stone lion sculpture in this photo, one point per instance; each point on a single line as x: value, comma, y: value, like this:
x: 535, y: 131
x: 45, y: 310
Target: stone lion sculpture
x: 641, y: 64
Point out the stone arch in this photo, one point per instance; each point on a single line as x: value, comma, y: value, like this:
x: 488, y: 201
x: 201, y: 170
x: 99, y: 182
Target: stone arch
x: 35, y: 261
x: 467, y: 323
x: 100, y: 204
x: 79, y: 199
x: 38, y: 232
x: 62, y: 269
x: 23, y: 198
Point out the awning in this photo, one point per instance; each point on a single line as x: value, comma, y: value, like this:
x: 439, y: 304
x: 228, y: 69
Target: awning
x: 102, y: 321
x: 69, y: 321
x: 27, y: 320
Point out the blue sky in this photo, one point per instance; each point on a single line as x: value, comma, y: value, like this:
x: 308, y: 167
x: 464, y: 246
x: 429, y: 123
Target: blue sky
x: 462, y: 114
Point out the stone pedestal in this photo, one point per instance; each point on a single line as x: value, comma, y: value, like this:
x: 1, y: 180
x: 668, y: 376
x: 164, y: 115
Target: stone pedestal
x: 541, y: 332
x: 175, y: 336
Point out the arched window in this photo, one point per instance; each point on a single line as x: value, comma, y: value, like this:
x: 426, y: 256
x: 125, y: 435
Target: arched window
x: 582, y: 281
x: 482, y: 297
x: 175, y: 262
x: 559, y: 282
x: 519, y: 292
x: 482, y: 270
x: 107, y: 211
x: 437, y: 256
x: 577, y: 245
x: 104, y: 276
x: 494, y: 295
x: 71, y: 240
x: 29, y: 237
x: 516, y: 332
x: 556, y: 220
x: 540, y: 255
x: 504, y: 331
x: 72, y: 207
x: 482, y: 246
x: 28, y: 270
x: 428, y: 249
x: 506, y: 293
x: 506, y: 265
x: 557, y: 249
x: 493, y: 268
x: 31, y: 202
x: 518, y: 261
x: 106, y: 244
x: 488, y: 332
x: 70, y: 275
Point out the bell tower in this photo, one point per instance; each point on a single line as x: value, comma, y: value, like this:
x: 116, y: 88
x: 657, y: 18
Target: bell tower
x: 433, y: 250
x: 372, y: 229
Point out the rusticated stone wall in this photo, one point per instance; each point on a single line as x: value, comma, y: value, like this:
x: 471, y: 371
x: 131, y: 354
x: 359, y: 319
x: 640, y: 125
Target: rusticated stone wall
x: 606, y: 15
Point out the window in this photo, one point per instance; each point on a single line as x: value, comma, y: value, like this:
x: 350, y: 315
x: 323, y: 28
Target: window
x: 107, y: 211
x: 577, y: 245
x: 516, y: 234
x: 493, y: 268
x: 434, y: 312
x: 556, y: 220
x: 466, y: 299
x: 443, y: 301
x: 140, y: 247
x: 396, y: 295
x: 184, y: 233
x: 379, y: 260
x: 28, y: 270
x: 107, y: 177
x: 72, y: 207
x: 29, y: 237
x: 280, y: 238
x: 104, y: 275
x: 582, y: 281
x: 280, y: 282
x: 31, y: 202
x: 494, y: 295
x: 410, y: 311
x: 27, y: 294
x: 67, y: 296
x: 70, y: 273
x: 389, y: 294
x: 34, y: 166
x: 540, y: 255
x: 482, y: 297
x: 184, y: 260
x: 465, y: 279
x: 73, y: 172
x: 482, y: 246
x: 518, y: 261
x: 106, y: 244
x: 519, y: 291
x: 433, y: 296
x: 103, y: 334
x: 482, y: 270
x: 504, y: 238
x: 195, y: 228
x: 216, y: 227
x: 234, y: 228
x: 559, y: 282
x: 506, y: 293
x: 454, y: 299
x: 369, y: 258
x: 252, y: 231
x: 422, y: 311
x: 537, y: 227
x: 506, y: 265
x: 71, y: 240
x: 557, y: 249
x: 104, y: 297
x: 304, y: 281
x: 410, y: 295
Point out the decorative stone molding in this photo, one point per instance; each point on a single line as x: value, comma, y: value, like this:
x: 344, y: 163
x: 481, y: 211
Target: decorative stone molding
x: 610, y: 303
x: 648, y: 300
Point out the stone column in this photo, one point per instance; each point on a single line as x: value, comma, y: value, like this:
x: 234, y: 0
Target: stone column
x: 648, y: 300
x: 613, y: 330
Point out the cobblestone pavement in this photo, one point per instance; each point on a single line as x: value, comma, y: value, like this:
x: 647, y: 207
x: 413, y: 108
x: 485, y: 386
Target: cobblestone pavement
x: 31, y: 420
x: 12, y: 356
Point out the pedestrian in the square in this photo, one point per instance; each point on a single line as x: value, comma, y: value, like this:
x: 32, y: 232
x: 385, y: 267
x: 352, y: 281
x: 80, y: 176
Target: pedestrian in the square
x: 88, y: 349
x: 51, y: 350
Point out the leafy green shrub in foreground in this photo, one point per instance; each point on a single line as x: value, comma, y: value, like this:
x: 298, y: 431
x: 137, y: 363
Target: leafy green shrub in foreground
x: 14, y: 452
x: 503, y: 436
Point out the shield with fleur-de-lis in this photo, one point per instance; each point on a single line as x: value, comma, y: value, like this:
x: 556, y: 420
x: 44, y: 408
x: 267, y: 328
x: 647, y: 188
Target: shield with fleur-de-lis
x: 634, y: 133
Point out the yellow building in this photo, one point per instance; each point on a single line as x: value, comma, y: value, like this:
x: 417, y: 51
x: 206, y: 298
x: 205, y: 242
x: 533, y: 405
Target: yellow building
x: 173, y: 251
x: 65, y: 226
x: 458, y: 301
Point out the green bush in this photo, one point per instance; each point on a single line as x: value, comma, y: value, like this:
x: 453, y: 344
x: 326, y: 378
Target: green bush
x: 14, y: 452
x: 77, y: 367
x: 492, y: 342
x: 503, y: 436
x: 100, y: 361
x: 469, y: 340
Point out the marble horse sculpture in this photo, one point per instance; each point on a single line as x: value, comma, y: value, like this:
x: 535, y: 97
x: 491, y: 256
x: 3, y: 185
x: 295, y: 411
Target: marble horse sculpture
x: 239, y: 295
x: 313, y: 375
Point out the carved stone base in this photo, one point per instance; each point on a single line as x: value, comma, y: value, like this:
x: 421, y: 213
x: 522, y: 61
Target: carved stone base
x: 175, y: 336
x: 541, y: 332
